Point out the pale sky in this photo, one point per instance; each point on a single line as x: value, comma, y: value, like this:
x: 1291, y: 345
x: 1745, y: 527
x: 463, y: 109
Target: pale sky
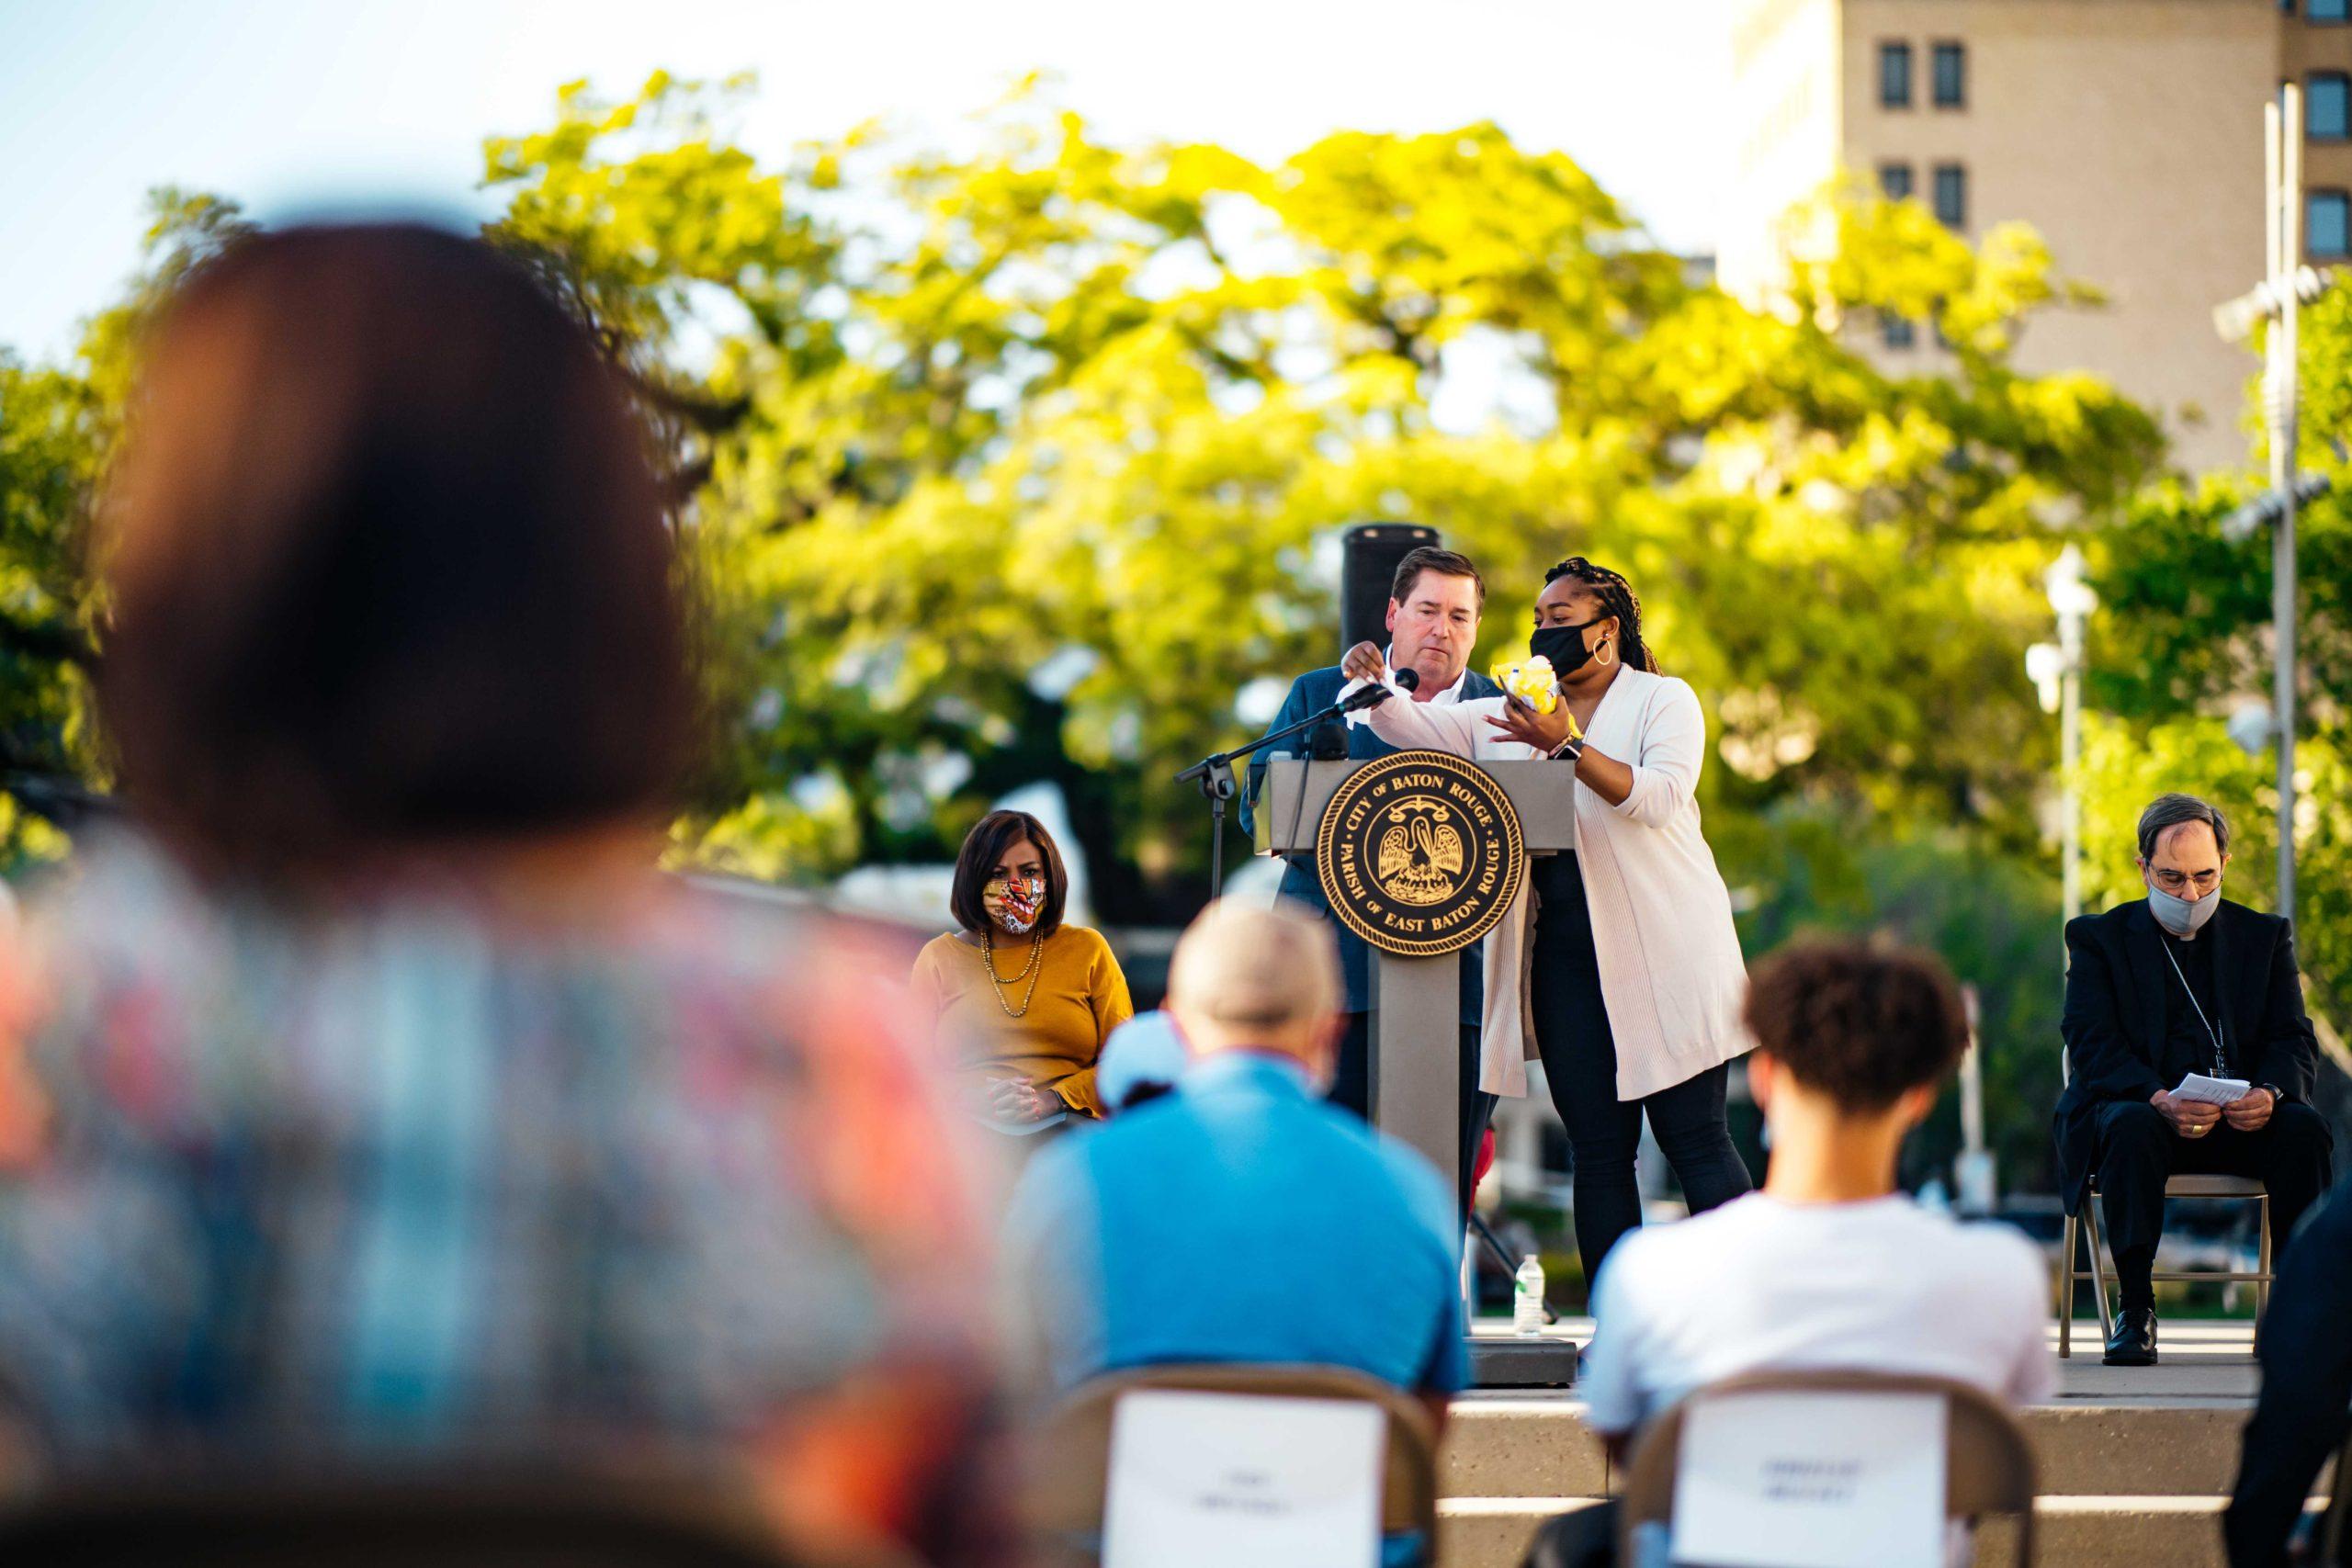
x: 299, y: 107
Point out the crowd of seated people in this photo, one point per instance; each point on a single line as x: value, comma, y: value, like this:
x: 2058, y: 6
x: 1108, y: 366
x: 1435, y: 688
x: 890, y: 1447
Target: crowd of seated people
x: 369, y: 1094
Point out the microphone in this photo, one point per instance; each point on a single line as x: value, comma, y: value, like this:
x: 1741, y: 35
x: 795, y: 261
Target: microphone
x: 1373, y: 696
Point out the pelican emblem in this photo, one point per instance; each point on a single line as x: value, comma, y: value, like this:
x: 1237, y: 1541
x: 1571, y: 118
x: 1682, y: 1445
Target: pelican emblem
x: 1421, y: 853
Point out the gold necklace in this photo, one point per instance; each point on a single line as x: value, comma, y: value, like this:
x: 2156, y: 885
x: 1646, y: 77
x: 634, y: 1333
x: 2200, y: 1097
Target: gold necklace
x: 1030, y: 973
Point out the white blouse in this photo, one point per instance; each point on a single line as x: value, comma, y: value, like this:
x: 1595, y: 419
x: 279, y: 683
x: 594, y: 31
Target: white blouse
x: 1671, y: 974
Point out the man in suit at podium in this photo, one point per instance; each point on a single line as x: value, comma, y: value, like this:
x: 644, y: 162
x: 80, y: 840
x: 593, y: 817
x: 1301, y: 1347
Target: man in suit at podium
x: 1434, y: 604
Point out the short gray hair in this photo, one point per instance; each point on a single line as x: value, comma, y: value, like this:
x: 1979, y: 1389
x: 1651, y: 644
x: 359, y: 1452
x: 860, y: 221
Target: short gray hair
x: 2169, y: 811
x: 1250, y: 966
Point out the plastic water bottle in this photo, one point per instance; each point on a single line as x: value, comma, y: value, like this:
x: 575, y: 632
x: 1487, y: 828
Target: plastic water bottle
x: 1527, y: 1298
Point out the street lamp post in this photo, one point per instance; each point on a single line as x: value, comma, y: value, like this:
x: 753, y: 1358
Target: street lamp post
x: 2279, y: 381
x: 2279, y: 298
x: 2058, y: 673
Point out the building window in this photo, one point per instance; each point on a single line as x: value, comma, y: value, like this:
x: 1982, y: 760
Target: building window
x: 2327, y: 106
x: 1896, y: 332
x: 2325, y: 10
x: 1949, y: 68
x: 2327, y: 225
x: 1895, y: 181
x: 1895, y: 75
x: 1951, y: 196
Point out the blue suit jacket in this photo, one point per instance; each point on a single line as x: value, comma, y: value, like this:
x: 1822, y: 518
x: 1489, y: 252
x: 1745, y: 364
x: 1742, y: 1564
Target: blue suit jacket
x: 1311, y: 694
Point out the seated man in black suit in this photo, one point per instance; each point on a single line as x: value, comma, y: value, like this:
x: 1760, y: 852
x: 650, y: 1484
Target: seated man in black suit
x: 2183, y: 981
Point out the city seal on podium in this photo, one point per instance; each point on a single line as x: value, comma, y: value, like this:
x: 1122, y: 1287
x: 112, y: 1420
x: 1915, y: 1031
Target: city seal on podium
x: 1420, y: 853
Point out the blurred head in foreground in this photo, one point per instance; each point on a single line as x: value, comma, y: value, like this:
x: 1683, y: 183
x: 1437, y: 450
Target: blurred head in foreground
x: 1859, y: 1033
x: 387, y: 564
x: 1141, y: 1061
x: 1247, y: 977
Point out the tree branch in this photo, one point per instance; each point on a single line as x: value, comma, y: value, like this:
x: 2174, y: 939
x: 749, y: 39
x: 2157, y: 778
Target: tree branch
x: 712, y: 416
x: 58, y: 639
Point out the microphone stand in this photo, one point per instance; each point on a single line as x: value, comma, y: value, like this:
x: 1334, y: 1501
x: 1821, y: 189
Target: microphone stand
x: 1215, y: 775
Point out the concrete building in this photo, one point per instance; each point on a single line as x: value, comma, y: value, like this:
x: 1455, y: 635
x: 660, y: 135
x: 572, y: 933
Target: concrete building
x: 2128, y: 132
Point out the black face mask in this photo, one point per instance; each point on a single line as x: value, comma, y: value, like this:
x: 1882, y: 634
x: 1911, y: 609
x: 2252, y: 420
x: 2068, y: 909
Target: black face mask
x: 1564, y: 646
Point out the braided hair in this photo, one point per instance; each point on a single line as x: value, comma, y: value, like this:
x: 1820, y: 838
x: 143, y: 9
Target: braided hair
x: 1617, y: 598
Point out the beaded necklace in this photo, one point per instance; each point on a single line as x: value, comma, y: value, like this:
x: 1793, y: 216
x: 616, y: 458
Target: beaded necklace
x: 1030, y: 973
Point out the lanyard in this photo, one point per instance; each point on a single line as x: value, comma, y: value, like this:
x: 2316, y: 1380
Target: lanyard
x: 2220, y: 1061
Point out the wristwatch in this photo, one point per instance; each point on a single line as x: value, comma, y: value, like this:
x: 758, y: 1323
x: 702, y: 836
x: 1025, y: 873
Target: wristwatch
x: 1573, y: 747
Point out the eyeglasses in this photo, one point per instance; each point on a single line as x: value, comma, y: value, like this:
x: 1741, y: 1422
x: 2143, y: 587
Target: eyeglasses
x: 2173, y: 881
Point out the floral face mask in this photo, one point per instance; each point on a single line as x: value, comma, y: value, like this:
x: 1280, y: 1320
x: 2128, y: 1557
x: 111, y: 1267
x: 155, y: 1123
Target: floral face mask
x: 1016, y: 901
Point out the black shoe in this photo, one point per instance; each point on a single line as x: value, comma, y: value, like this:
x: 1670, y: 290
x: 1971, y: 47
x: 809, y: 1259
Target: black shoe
x: 2133, y: 1343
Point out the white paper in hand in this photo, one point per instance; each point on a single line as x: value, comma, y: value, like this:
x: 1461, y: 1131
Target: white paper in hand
x: 2203, y: 1091
x: 1243, y: 1481
x: 1795, y: 1480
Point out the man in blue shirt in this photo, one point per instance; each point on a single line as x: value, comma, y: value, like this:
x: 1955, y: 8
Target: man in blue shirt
x: 1239, y: 1218
x: 1434, y: 604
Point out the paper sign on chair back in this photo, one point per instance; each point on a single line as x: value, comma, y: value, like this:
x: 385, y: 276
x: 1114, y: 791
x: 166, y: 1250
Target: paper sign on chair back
x: 1243, y: 1481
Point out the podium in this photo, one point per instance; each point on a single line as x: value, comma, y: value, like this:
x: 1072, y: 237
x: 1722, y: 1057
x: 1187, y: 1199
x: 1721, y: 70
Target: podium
x: 1421, y: 853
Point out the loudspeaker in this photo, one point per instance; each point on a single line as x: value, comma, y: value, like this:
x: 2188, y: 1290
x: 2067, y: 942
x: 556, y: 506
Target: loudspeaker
x: 1367, y: 568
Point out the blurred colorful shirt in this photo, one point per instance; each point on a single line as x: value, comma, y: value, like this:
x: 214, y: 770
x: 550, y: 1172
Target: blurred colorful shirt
x: 416, y: 1172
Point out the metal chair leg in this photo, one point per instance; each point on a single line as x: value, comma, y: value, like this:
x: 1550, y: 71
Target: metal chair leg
x: 2066, y: 1288
x: 2262, y: 1286
x: 2098, y: 1266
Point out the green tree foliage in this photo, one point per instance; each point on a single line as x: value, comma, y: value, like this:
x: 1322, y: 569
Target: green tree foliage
x: 1010, y: 463
x: 57, y: 425
x: 2185, y: 638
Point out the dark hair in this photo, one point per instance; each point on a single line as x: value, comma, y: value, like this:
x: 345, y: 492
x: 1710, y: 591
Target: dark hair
x: 1617, y: 598
x: 1863, y: 1023
x: 983, y: 847
x: 1428, y: 557
x: 388, y: 562
x: 2169, y: 811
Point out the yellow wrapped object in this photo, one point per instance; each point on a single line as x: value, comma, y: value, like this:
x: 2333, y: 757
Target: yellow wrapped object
x: 1529, y: 679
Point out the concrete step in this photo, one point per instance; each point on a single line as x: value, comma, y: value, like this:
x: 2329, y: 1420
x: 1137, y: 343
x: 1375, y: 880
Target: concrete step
x: 1540, y: 1446
x: 2069, y: 1533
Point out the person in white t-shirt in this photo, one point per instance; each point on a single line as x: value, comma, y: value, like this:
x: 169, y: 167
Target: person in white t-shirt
x: 1828, y: 1265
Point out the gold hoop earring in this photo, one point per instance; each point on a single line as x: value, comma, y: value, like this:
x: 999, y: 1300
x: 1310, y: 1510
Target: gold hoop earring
x: 1610, y: 649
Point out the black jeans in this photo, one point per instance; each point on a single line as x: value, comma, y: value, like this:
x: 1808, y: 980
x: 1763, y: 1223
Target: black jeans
x: 1580, y: 1063
x: 1351, y: 1087
x: 2138, y: 1148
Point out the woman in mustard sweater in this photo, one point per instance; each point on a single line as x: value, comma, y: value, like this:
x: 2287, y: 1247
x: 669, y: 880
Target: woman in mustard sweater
x: 1026, y: 1001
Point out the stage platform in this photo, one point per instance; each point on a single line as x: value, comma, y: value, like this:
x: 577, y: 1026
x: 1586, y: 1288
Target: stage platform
x: 2136, y: 1462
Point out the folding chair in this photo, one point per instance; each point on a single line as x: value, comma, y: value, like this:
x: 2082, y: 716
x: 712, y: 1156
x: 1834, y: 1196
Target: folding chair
x: 1070, y: 1471
x: 412, y: 1519
x: 1988, y: 1468
x: 2242, y: 1189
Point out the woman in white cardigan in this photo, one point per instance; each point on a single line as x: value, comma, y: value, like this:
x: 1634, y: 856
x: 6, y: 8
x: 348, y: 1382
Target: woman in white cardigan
x: 1633, y: 973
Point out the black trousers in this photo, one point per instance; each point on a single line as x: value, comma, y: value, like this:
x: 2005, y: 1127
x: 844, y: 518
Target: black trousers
x: 1351, y: 1087
x: 1580, y: 1055
x: 2138, y: 1148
